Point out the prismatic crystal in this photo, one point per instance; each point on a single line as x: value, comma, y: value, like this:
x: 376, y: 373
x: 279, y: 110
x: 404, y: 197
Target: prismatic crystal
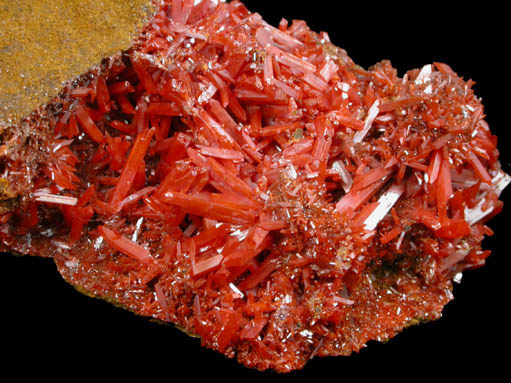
x: 254, y: 186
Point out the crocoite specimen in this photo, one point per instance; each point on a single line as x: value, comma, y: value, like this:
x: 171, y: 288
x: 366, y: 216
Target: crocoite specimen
x: 254, y: 186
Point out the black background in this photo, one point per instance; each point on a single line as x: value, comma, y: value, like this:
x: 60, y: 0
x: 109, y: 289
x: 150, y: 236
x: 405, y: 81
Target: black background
x: 43, y: 318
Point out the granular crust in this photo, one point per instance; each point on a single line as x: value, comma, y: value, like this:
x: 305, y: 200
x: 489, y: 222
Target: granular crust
x: 44, y: 43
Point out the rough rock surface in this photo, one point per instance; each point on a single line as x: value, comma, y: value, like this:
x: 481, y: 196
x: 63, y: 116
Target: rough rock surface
x: 45, y: 43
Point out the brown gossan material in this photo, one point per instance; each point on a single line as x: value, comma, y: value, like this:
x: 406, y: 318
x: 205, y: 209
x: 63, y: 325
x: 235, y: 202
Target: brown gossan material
x: 46, y: 42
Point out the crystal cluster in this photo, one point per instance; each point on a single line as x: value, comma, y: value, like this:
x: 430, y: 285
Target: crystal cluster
x: 254, y: 186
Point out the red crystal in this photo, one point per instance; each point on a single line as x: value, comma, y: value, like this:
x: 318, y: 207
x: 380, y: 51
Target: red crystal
x: 256, y: 187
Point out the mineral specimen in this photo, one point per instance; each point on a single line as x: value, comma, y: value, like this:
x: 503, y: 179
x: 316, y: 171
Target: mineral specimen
x: 254, y: 186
